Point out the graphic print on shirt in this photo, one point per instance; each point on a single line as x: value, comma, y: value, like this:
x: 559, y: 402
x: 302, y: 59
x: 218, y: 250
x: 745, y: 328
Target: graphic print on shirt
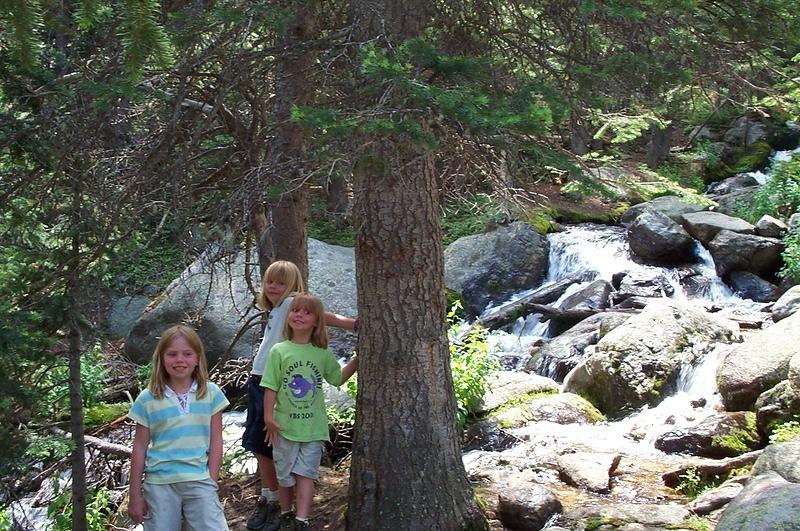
x: 302, y: 380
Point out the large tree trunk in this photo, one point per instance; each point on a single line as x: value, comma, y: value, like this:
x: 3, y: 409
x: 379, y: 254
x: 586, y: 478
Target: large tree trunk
x: 406, y: 471
x: 288, y: 211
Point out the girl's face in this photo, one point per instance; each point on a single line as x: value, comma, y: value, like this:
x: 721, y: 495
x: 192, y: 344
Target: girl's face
x: 179, y: 360
x: 275, y: 290
x: 302, y: 320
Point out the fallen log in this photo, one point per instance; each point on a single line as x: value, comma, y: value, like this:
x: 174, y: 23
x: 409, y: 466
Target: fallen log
x: 708, y: 468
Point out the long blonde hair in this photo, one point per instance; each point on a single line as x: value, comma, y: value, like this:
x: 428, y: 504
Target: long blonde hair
x: 280, y: 271
x: 158, y: 379
x: 306, y: 301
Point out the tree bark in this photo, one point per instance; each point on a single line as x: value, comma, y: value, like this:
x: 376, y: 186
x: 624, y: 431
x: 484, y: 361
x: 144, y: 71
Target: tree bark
x: 658, y: 147
x: 288, y: 210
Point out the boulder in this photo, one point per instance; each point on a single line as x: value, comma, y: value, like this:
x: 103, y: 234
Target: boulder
x: 758, y: 364
x: 731, y: 184
x: 641, y: 516
x: 767, y: 502
x: 733, y: 203
x: 770, y: 227
x: 125, y: 311
x: 778, y: 404
x: 657, y: 239
x: 734, y: 251
x: 704, y: 226
x: 669, y: 205
x: 782, y: 459
x: 563, y: 408
x: 527, y: 507
x: 641, y: 283
x: 588, y: 470
x: 637, y: 363
x: 559, y: 356
x: 509, y: 386
x: 718, y: 497
x: 591, y: 297
x: 212, y: 296
x: 749, y: 286
x: 787, y: 304
x: 745, y: 132
x: 485, y: 268
x: 720, y: 435
x: 487, y: 435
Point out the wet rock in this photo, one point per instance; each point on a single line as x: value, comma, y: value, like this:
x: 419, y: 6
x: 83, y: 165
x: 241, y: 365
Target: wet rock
x: 718, y: 497
x: 638, y: 362
x: 770, y: 227
x: 588, y: 470
x: 487, y: 267
x: 787, y: 304
x: 780, y: 458
x: 618, y: 515
x: 527, y: 507
x: 488, y: 436
x: 758, y: 364
x: 557, y: 357
x: 750, y: 286
x: 778, y: 404
x: 704, y: 226
x: 669, y: 205
x: 745, y: 252
x: 657, y: 239
x: 721, y: 435
x: 641, y: 284
x: 767, y: 502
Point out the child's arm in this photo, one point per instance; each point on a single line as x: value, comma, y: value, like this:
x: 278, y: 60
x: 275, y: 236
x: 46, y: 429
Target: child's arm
x: 215, y: 446
x: 137, y: 508
x: 272, y: 428
x: 349, y: 369
x: 340, y: 321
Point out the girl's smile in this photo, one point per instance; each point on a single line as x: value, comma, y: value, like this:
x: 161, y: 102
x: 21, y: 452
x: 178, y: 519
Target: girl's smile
x: 301, y: 319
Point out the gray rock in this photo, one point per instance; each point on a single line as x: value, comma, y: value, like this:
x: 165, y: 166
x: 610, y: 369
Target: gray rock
x: 720, y: 435
x: 563, y: 408
x: 787, y: 304
x: 212, y: 296
x: 794, y: 222
x: 638, y: 362
x: 592, y: 297
x: 758, y: 364
x: 731, y: 184
x: 588, y: 470
x: 487, y: 435
x: 770, y: 227
x: 125, y: 311
x: 668, y: 205
x: 486, y: 267
x: 704, y: 226
x: 782, y: 459
x: 508, y: 386
x: 559, y: 356
x: 657, y: 239
x: 715, y: 498
x: 733, y: 251
x: 781, y: 403
x: 527, y: 507
x: 794, y: 372
x: 767, y: 502
x: 750, y: 286
x: 745, y: 132
x: 659, y: 516
x: 734, y: 203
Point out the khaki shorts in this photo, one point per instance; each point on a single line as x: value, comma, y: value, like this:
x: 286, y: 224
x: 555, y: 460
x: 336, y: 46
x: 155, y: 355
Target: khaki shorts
x: 197, y: 502
x: 300, y: 458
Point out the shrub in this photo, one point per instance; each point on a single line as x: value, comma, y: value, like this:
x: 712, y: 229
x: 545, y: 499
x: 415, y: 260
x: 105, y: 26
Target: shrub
x: 785, y: 432
x: 780, y: 196
x: 471, y: 215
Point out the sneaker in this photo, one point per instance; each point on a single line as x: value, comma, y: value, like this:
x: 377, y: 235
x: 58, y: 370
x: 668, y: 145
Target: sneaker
x: 265, y: 515
x: 287, y: 521
x: 300, y: 525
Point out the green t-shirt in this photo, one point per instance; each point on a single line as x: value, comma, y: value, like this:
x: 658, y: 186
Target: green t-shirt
x: 295, y: 372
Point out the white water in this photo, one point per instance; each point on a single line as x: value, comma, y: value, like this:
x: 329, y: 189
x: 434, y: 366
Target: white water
x: 778, y: 156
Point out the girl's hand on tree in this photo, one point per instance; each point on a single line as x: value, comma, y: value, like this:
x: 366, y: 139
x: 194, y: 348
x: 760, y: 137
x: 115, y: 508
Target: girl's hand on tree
x: 137, y: 508
x: 273, y: 429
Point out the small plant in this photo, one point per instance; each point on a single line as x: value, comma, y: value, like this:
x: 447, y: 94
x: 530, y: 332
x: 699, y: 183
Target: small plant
x: 785, y: 432
x: 780, y: 196
x: 98, y: 510
x: 50, y: 448
x: 472, y: 364
x: 56, y: 379
x: 791, y: 256
x: 103, y: 413
x: 143, y: 373
x: 692, y: 484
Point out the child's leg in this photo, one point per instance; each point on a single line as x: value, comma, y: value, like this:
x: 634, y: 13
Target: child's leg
x: 266, y: 470
x: 161, y: 502
x: 287, y: 497
x: 305, y: 495
x: 202, y: 510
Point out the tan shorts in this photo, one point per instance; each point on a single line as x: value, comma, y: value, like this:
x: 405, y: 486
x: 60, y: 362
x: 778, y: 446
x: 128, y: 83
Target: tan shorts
x: 196, y: 502
x: 296, y: 458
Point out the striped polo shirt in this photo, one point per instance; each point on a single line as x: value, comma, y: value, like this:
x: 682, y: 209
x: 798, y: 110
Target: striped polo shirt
x: 179, y: 442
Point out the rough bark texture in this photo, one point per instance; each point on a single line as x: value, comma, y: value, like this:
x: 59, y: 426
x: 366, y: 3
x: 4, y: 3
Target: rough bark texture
x: 288, y: 213
x: 406, y: 471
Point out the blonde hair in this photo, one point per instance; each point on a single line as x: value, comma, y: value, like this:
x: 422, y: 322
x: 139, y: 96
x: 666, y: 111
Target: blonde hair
x: 158, y: 379
x: 306, y: 301
x: 280, y: 271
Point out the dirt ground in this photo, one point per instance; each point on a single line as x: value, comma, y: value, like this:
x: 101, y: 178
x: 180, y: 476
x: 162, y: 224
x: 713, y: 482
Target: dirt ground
x: 239, y: 495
